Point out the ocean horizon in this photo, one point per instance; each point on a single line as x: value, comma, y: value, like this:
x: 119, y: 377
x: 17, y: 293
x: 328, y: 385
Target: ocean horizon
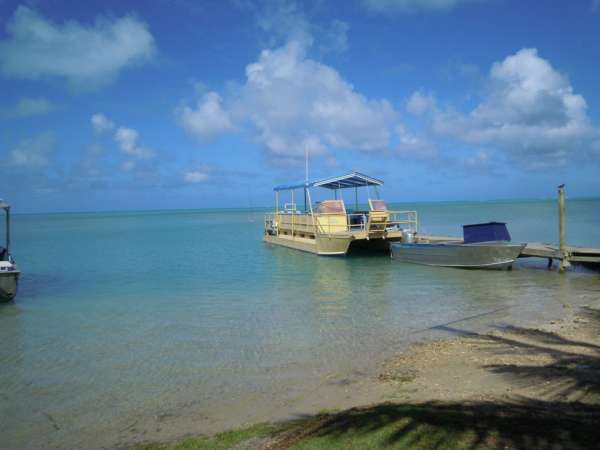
x: 270, y: 207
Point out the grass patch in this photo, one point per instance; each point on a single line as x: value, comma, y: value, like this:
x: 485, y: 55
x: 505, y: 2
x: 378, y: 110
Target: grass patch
x: 220, y: 441
x: 398, y: 376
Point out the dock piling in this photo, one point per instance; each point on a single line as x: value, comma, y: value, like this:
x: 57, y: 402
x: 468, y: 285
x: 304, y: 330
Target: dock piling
x: 564, y: 262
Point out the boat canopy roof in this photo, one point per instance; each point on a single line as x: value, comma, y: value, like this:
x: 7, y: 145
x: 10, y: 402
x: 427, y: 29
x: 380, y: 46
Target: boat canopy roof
x: 350, y: 180
x: 3, y: 204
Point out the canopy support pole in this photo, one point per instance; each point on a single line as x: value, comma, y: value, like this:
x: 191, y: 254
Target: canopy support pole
x: 311, y: 212
x: 277, y: 211
x: 305, y: 199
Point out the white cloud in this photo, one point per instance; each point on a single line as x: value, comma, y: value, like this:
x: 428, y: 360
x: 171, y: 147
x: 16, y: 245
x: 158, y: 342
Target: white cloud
x: 282, y: 19
x: 287, y: 20
x: 294, y: 102
x: 530, y: 112
x: 419, y: 103
x: 32, y: 153
x: 101, y: 123
x: 335, y: 38
x: 82, y: 54
x: 26, y: 107
x: 410, y: 6
x: 198, y: 175
x: 414, y: 147
x: 208, y: 119
x: 291, y: 104
x: 127, y: 138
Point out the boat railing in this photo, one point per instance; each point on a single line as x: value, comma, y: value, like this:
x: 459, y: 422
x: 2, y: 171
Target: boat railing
x: 404, y: 220
x: 329, y: 224
x: 270, y: 223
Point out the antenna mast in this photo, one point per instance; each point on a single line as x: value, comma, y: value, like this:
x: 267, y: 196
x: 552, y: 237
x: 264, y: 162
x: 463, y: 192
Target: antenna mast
x: 306, y: 165
x: 305, y: 175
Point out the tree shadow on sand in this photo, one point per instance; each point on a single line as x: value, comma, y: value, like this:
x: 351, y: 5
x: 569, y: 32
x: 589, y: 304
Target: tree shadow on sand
x: 562, y: 408
x: 571, y: 372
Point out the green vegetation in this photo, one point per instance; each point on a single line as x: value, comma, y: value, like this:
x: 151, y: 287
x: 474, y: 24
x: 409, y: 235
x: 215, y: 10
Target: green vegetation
x: 221, y: 441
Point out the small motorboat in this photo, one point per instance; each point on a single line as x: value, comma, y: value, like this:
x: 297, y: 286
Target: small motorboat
x: 9, y: 273
x: 484, y: 246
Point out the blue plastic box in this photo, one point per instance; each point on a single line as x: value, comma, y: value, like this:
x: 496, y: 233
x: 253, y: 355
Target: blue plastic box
x: 485, y: 232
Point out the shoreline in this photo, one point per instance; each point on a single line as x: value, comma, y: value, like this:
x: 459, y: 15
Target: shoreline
x: 553, y: 364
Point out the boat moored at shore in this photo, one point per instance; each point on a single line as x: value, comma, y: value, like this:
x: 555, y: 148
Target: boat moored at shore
x: 484, y: 246
x: 328, y: 227
x: 466, y: 256
x: 9, y: 273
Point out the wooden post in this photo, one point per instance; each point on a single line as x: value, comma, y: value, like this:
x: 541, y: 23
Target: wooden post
x: 564, y: 263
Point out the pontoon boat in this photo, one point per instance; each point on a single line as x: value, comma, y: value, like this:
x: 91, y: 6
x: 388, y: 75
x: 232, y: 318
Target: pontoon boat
x: 328, y: 227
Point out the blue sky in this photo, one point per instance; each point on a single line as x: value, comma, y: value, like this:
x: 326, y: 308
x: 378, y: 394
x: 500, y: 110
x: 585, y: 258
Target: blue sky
x: 190, y: 104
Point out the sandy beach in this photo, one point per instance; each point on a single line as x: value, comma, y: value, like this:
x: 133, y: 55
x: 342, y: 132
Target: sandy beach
x: 557, y: 361
x: 509, y: 387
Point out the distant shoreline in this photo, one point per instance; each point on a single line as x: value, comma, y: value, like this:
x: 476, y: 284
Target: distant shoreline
x: 270, y: 208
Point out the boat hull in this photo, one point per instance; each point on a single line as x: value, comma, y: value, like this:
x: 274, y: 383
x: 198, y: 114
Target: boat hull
x: 321, y: 246
x: 332, y: 245
x: 8, y: 285
x: 466, y: 256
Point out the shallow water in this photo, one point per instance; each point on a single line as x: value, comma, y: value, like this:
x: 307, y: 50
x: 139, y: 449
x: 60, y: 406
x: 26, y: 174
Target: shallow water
x: 122, y: 316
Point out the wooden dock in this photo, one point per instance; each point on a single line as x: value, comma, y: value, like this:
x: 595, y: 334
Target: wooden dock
x: 584, y: 255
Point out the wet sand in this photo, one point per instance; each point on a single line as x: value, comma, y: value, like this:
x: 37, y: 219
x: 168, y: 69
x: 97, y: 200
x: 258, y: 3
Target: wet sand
x: 554, y: 362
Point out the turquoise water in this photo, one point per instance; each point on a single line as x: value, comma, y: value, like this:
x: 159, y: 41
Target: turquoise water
x: 123, y: 318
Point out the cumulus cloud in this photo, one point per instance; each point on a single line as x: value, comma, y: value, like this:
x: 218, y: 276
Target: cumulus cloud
x: 335, y: 37
x: 32, y: 153
x: 530, y: 112
x: 101, y: 123
x: 415, y: 147
x: 27, y: 107
x: 127, y: 140
x: 199, y: 174
x: 208, y: 119
x: 410, y: 6
x: 282, y: 19
x: 286, y: 20
x: 83, y: 54
x: 291, y: 104
x: 419, y: 103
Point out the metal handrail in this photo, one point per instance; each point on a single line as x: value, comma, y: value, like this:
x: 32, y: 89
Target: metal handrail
x: 397, y: 220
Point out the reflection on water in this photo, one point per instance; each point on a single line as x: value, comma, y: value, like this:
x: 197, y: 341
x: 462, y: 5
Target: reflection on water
x: 331, y: 286
x: 189, y: 311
